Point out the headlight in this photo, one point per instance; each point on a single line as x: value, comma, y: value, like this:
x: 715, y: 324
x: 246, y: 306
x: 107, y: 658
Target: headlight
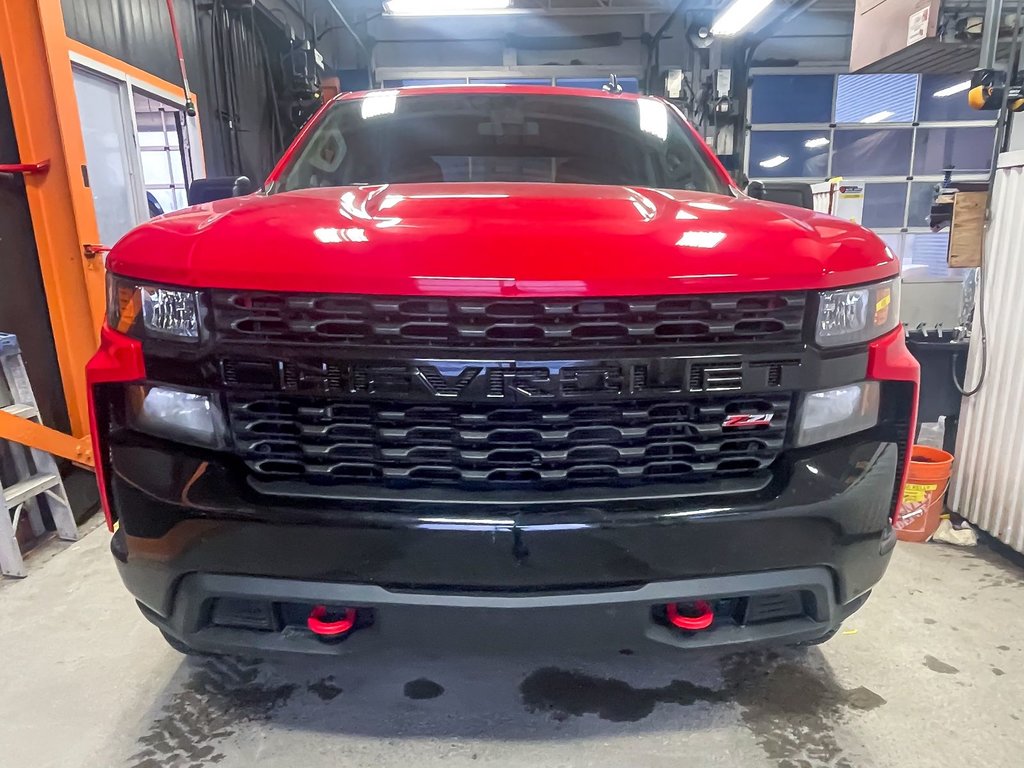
x: 151, y: 310
x: 184, y: 417
x: 854, y: 315
x: 832, y: 413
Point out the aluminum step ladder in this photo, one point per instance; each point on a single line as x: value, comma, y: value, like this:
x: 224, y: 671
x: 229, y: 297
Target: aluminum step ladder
x: 37, y: 476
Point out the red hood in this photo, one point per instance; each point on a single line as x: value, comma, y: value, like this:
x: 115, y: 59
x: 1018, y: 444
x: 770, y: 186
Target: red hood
x: 501, y: 239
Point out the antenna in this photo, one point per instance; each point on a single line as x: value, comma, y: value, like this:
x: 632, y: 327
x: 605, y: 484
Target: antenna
x: 612, y: 86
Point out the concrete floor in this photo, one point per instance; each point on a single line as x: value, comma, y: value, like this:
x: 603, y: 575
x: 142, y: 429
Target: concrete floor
x: 929, y: 673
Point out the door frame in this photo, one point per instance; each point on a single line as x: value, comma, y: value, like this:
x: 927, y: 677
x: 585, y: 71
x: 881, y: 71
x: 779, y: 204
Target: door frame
x: 134, y: 79
x: 130, y: 128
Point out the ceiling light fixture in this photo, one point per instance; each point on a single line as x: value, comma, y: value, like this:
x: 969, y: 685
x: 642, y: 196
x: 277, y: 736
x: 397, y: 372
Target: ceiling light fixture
x: 958, y: 88
x: 445, y: 7
x: 735, y: 18
x: 773, y: 162
x: 878, y: 117
x: 818, y: 141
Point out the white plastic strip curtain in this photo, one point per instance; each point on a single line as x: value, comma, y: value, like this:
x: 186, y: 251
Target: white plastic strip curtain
x: 988, y: 480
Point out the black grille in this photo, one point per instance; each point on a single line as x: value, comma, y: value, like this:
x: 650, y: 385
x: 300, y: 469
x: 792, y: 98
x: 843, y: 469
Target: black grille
x: 529, y: 446
x: 507, y: 323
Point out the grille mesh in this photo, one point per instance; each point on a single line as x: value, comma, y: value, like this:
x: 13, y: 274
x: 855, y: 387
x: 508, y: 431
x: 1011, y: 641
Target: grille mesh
x: 507, y: 323
x: 534, y: 446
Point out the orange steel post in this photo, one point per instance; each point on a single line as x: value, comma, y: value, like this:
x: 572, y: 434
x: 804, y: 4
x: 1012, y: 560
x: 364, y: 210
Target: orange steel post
x: 19, y: 430
x: 34, y: 50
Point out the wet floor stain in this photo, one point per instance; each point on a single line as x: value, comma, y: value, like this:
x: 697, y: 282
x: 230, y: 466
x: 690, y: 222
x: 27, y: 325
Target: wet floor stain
x: 219, y: 694
x: 937, y: 665
x: 790, y: 707
x: 422, y: 689
x: 564, y: 693
x: 930, y: 621
x: 325, y: 688
x: 793, y: 708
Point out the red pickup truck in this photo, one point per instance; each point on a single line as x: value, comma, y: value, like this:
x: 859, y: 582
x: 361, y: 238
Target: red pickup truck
x: 481, y: 354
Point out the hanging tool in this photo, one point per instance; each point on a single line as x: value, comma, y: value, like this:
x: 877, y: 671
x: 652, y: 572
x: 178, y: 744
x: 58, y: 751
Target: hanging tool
x: 190, y: 107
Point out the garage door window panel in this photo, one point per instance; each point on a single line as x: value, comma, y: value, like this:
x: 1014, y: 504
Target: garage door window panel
x: 964, y: 149
x: 791, y: 98
x: 944, y: 98
x: 788, y: 154
x: 871, y: 99
x: 884, y: 204
x: 876, y: 152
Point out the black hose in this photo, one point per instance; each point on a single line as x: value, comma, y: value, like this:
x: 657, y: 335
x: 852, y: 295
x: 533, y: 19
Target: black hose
x: 653, y: 63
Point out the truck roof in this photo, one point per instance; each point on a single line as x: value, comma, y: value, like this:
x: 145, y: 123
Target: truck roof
x: 524, y: 90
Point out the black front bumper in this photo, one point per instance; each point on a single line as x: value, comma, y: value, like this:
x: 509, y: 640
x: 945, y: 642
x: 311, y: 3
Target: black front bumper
x: 592, y: 569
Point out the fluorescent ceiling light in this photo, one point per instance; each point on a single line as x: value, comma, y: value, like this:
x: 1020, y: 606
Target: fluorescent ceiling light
x: 814, y: 143
x: 444, y: 7
x: 737, y: 16
x: 773, y: 162
x: 958, y: 88
x: 878, y: 117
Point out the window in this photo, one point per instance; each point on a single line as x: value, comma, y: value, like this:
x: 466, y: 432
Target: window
x: 884, y: 203
x: 927, y: 250
x: 161, y: 129
x: 780, y: 154
x: 884, y: 152
x: 896, y: 133
x: 962, y: 149
x: 923, y: 255
x: 922, y: 195
x: 875, y: 98
x: 944, y: 98
x: 791, y: 99
x: 445, y: 136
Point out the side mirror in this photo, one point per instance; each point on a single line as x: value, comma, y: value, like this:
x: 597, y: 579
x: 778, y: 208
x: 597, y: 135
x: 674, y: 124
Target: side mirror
x: 219, y: 188
x: 788, y: 192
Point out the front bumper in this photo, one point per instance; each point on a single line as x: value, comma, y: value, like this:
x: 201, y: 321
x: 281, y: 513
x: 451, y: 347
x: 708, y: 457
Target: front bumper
x: 614, y: 618
x: 193, y: 532
x: 825, y: 535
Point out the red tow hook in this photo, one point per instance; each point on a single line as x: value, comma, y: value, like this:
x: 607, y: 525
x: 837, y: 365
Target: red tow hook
x: 700, y: 615
x: 331, y: 629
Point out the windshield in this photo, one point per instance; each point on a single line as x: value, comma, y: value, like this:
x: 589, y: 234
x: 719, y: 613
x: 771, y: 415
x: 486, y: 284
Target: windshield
x: 503, y: 137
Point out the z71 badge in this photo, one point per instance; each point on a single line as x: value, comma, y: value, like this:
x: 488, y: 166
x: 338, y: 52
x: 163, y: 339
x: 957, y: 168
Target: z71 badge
x: 747, y: 420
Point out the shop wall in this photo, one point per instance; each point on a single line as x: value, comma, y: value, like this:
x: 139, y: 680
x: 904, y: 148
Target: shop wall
x: 233, y: 57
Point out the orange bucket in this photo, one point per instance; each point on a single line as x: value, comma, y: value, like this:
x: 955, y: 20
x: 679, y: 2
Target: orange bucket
x: 921, y: 507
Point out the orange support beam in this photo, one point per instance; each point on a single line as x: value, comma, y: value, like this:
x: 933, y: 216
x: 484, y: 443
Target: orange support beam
x: 34, y: 50
x: 54, y: 442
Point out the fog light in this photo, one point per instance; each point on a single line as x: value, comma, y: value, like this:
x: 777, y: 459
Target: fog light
x: 181, y: 416
x: 832, y: 413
